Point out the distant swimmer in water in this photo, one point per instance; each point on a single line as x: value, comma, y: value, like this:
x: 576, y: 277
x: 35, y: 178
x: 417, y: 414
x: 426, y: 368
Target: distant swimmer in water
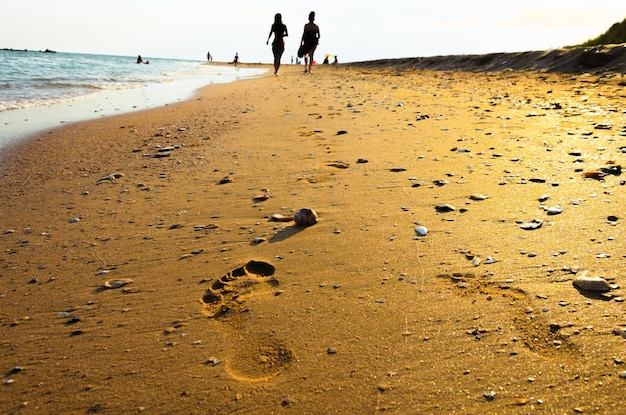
x: 139, y: 60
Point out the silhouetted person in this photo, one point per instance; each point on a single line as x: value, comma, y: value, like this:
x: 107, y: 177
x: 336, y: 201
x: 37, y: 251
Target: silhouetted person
x: 336, y: 61
x: 278, y: 45
x: 325, y: 61
x: 209, y: 58
x: 310, y: 39
x: 236, y: 60
x: 139, y: 60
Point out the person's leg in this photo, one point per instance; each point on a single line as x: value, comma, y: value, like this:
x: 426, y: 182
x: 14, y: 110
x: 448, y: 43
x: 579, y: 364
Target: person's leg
x: 311, y: 59
x: 277, y: 56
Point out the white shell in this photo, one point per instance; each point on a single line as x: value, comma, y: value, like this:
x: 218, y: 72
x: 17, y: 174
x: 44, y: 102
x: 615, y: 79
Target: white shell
x: 305, y: 217
x: 421, y: 230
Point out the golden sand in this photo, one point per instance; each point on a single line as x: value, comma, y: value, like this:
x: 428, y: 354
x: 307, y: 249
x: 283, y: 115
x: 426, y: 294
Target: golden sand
x: 141, y: 269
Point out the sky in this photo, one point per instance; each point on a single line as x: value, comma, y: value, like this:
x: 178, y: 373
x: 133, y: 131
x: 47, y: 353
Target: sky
x: 352, y: 30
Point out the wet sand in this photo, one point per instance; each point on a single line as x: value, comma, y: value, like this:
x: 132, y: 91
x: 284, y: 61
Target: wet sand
x: 140, y: 269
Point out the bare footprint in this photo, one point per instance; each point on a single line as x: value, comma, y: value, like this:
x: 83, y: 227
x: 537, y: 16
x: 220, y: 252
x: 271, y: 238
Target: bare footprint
x: 230, y: 291
x: 535, y: 332
x: 252, y: 356
x: 258, y: 357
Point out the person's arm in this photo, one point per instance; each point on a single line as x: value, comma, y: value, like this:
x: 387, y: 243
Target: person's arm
x: 269, y: 36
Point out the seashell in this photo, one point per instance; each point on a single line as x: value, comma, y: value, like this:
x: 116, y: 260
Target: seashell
x: 421, y: 230
x: 305, y: 217
x: 117, y: 283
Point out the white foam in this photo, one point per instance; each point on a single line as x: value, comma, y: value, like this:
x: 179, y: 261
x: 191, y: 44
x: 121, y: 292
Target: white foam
x: 18, y: 124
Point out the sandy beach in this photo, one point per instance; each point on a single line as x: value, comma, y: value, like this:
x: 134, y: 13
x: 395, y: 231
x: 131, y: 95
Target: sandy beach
x: 468, y: 255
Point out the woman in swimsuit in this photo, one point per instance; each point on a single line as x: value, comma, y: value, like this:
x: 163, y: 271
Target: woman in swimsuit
x: 310, y: 39
x: 278, y: 45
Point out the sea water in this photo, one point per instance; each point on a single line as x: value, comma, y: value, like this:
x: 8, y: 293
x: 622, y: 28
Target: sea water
x: 41, y: 90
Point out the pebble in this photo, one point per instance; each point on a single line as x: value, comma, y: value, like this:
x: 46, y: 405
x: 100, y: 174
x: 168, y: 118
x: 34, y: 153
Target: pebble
x: 619, y: 331
x: 533, y: 224
x: 595, y: 284
x: 478, y: 197
x: 555, y: 210
x: 421, y: 230
x: 445, y: 208
x: 117, y: 283
x: 490, y: 396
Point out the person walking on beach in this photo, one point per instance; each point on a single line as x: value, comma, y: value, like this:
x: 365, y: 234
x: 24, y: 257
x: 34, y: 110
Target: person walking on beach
x: 236, y: 60
x: 310, y: 39
x: 209, y: 58
x: 278, y: 45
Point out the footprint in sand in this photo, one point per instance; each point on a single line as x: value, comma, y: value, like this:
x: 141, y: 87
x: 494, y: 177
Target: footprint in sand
x: 254, y: 356
x: 229, y: 292
x: 536, y: 333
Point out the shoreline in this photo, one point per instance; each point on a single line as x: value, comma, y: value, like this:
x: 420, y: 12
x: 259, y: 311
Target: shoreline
x: 23, y: 123
x: 138, y: 252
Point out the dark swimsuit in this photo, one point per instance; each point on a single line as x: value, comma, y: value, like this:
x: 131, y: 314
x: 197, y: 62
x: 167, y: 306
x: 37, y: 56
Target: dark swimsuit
x: 310, y: 41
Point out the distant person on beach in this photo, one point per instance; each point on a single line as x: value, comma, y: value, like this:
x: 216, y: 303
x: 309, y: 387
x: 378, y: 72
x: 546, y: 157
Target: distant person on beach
x: 139, y: 60
x: 336, y: 61
x: 325, y: 61
x: 310, y: 39
x: 209, y: 58
x: 236, y: 60
x: 278, y: 45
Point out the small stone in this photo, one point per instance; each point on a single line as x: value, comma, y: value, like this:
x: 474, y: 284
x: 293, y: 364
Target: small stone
x: 595, y: 284
x: 421, y: 230
x: 478, y: 197
x: 443, y: 208
x: 117, y: 283
x: 555, y: 210
x: 490, y: 396
x: 531, y: 225
x: 619, y: 331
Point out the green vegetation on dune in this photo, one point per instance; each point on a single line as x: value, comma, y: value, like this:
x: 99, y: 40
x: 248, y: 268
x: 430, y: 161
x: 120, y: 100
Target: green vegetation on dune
x: 615, y: 35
